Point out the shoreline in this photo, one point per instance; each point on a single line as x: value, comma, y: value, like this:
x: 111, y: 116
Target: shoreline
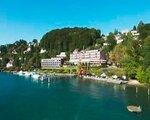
x: 106, y: 80
x: 58, y: 74
x: 119, y: 82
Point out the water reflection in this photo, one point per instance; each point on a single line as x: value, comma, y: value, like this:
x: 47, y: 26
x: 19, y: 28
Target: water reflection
x: 69, y: 98
x: 100, y: 93
x: 131, y: 94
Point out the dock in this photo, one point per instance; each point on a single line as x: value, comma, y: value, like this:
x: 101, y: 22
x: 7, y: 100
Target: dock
x: 107, y: 80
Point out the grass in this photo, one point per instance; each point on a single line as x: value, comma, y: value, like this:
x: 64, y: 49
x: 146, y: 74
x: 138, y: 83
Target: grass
x: 67, y: 70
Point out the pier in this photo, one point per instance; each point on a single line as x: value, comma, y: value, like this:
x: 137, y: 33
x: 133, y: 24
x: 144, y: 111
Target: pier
x: 108, y: 80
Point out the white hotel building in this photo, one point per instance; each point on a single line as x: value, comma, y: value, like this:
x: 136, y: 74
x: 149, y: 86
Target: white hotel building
x: 94, y: 57
x: 51, y: 63
x: 54, y: 62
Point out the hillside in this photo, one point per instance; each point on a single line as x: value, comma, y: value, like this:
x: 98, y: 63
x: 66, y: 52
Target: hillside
x: 144, y: 30
x: 68, y: 39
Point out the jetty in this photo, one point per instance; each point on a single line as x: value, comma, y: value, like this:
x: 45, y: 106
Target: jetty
x: 108, y: 80
x: 43, y: 77
x: 62, y: 74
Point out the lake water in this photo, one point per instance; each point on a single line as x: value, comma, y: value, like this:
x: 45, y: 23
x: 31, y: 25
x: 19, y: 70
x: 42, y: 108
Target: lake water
x: 68, y: 98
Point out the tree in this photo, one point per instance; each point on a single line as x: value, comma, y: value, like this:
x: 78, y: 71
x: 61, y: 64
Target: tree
x: 144, y: 30
x: 68, y: 39
x: 117, y: 55
x: 130, y: 66
x: 143, y: 75
x: 5, y: 60
x: 116, y: 32
x: 146, y: 52
x: 147, y: 75
x: 100, y: 42
x: 35, y: 41
x: 134, y: 27
x: 140, y: 74
x: 16, y: 62
x: 111, y: 40
x: 133, y: 47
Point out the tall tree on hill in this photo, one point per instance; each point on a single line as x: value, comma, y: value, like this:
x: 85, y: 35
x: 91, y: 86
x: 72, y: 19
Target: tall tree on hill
x: 111, y: 40
x: 134, y: 27
x: 117, y: 54
x: 146, y: 52
x: 144, y: 30
x: 68, y: 39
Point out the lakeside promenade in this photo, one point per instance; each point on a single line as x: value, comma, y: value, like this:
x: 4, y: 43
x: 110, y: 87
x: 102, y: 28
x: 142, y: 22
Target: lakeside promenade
x: 108, y: 80
x: 42, y: 75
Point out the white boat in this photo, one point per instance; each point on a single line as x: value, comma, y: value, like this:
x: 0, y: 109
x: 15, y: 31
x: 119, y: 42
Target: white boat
x: 35, y: 76
x: 27, y: 74
x: 15, y: 73
x: 136, y: 109
x: 20, y: 73
x: 124, y: 77
x: 114, y: 76
x: 43, y: 77
x: 103, y: 75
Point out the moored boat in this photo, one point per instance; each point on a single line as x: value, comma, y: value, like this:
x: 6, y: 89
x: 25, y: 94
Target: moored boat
x: 36, y: 76
x: 20, y: 73
x: 43, y: 77
x: 27, y: 74
x: 136, y: 109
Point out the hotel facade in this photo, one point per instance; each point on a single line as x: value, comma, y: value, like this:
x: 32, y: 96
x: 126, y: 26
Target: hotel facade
x: 54, y: 62
x: 93, y: 57
x: 51, y: 63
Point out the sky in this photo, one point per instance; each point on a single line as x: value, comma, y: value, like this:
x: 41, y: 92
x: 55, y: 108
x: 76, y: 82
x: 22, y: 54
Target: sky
x: 31, y: 19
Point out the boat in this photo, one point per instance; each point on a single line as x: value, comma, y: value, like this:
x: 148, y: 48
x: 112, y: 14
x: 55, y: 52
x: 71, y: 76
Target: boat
x: 103, y: 75
x: 114, y: 76
x: 35, y: 76
x: 136, y: 109
x: 15, y: 72
x: 43, y: 77
x: 27, y: 74
x: 20, y: 73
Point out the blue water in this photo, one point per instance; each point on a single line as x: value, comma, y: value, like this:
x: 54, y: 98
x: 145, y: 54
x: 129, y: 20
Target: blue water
x: 68, y: 98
